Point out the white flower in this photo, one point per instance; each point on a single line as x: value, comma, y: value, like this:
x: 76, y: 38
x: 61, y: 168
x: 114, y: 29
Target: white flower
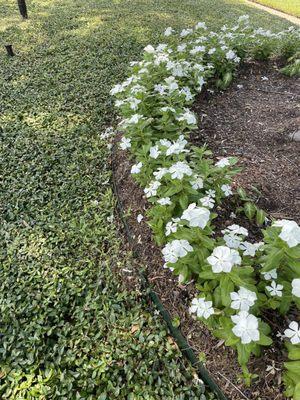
x: 169, y: 31
x: 211, y: 193
x: 207, y: 201
x: 186, y: 32
x: 165, y: 142
x: 136, y: 168
x: 149, y: 49
x: 200, y: 25
x: 172, y: 84
x: 107, y: 133
x: 236, y: 230
x: 152, y: 189
x: 179, y: 169
x: 160, y: 172
x: 224, y: 162
x: 296, y: 287
x: 293, y: 333
x: 243, y: 18
x: 232, y: 240
x: 223, y: 259
x: 212, y: 50
x: 189, y: 117
x: 226, y: 189
x: 230, y: 55
x: 274, y: 289
x: 139, y: 218
x: 270, y: 274
x: 250, y: 249
x: 197, y: 183
x: 137, y: 88
x: 116, y: 89
x: 134, y: 119
x: 164, y: 201
x: 181, y: 47
x: 125, y: 143
x: 187, y: 92
x: 243, y: 299
x: 160, y: 58
x: 171, y: 226
x: 196, y: 216
x: 154, y: 152
x: 290, y: 232
x: 119, y: 103
x: 200, y: 83
x: 197, y: 49
x: 160, y: 89
x: 175, y: 250
x: 162, y: 46
x: 202, y: 308
x: 177, y: 147
x: 165, y: 109
x: 246, y: 327
x: 133, y: 103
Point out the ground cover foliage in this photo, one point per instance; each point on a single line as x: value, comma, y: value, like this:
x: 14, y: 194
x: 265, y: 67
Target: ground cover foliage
x: 65, y: 323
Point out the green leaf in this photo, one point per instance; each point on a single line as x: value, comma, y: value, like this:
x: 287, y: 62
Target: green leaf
x: 227, y: 287
x: 260, y: 216
x: 250, y: 210
x: 242, y: 193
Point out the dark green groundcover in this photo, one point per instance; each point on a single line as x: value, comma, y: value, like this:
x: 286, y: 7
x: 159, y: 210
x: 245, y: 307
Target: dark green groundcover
x: 67, y: 330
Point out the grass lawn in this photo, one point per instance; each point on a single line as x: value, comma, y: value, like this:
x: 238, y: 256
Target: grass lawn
x: 68, y: 331
x: 288, y: 6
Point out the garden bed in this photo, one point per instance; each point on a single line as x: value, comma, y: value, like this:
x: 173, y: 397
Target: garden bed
x: 225, y: 114
x: 254, y: 120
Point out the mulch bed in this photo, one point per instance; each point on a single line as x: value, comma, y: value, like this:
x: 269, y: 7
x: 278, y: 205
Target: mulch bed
x: 252, y: 122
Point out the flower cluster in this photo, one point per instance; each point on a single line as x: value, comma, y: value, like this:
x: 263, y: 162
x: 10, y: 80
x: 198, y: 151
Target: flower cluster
x: 237, y: 278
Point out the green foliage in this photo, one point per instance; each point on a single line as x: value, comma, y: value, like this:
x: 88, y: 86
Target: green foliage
x: 293, y: 68
x: 292, y: 373
x: 235, y: 278
x: 66, y: 325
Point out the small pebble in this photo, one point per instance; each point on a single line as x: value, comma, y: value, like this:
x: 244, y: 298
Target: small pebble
x: 139, y: 218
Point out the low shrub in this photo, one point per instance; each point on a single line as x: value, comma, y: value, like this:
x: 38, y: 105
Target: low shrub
x: 237, y: 279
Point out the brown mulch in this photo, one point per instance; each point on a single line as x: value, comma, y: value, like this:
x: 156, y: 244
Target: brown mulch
x: 254, y: 122
x: 253, y: 128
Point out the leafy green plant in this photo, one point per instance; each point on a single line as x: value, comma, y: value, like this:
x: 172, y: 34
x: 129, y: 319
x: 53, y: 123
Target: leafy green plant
x: 237, y: 280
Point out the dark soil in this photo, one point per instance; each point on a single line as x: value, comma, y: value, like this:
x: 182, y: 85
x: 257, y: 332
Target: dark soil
x: 254, y: 122
x: 245, y: 129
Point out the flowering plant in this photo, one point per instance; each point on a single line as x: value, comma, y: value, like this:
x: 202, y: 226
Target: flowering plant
x: 236, y: 278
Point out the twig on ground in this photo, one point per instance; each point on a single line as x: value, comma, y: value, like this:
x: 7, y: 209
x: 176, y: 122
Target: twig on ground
x: 236, y: 388
x: 277, y: 92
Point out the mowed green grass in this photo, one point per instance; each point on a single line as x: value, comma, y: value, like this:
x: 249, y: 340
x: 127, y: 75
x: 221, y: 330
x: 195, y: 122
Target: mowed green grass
x: 291, y: 7
x: 68, y: 328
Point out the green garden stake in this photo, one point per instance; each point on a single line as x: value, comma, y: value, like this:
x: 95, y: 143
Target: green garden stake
x: 9, y: 50
x: 23, y: 8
